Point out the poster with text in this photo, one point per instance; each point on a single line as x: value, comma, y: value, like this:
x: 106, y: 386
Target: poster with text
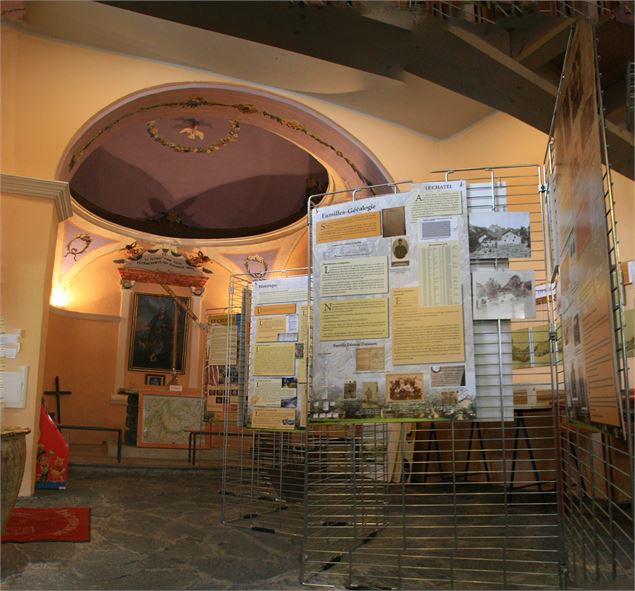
x: 585, y: 303
x: 221, y: 360
x: 391, y: 307
x: 276, y: 394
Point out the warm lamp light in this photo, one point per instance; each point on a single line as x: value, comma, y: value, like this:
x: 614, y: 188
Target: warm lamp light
x: 59, y: 297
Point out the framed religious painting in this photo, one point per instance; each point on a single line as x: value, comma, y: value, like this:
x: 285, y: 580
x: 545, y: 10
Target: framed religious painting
x: 158, y: 334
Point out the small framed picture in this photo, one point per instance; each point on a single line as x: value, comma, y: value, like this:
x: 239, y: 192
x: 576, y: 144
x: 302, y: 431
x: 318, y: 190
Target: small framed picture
x: 155, y: 379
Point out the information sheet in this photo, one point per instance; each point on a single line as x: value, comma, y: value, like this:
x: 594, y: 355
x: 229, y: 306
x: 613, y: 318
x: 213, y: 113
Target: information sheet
x: 392, y: 312
x: 221, y: 361
x: 276, y: 393
x: 589, y: 338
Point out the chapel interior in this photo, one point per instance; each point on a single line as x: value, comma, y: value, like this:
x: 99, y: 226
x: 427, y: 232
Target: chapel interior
x: 198, y: 131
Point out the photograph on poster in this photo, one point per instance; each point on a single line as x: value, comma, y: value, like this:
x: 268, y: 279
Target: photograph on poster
x: 350, y: 390
x: 291, y: 402
x: 287, y: 337
x: 499, y: 234
x: 369, y: 395
x: 393, y: 221
x: 540, y: 346
x: 577, y: 399
x: 577, y: 337
x: 449, y: 398
x: 404, y: 386
x: 445, y: 376
x: 219, y: 376
x: 400, y: 253
x: 289, y: 382
x: 503, y: 294
x: 370, y: 358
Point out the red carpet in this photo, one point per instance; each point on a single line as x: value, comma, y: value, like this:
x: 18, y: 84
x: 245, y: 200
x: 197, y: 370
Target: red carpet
x: 64, y: 524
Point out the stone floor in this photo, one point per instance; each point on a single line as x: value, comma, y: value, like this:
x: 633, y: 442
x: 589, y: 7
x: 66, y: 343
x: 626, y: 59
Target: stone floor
x: 159, y: 528
x: 150, y: 529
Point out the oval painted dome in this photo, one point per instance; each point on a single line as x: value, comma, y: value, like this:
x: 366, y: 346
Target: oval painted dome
x: 197, y: 177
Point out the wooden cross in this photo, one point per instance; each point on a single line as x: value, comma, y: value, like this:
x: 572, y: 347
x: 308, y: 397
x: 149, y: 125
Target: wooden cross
x: 57, y: 393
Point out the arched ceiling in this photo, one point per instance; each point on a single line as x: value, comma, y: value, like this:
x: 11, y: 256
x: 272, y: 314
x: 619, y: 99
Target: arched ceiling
x: 203, y: 161
x: 399, y: 61
x: 256, y: 181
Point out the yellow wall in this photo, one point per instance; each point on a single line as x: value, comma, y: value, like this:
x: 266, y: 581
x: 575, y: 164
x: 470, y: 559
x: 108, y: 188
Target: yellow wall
x: 71, y: 83
x: 89, y: 370
x: 29, y: 231
x: 80, y: 81
x: 82, y: 352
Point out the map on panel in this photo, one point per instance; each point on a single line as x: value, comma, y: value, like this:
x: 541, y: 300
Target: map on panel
x: 167, y: 419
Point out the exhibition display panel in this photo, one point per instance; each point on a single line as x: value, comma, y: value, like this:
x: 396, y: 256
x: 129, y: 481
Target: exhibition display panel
x: 596, y: 460
x: 467, y: 417
x: 264, y: 463
x: 465, y: 497
x: 391, y: 307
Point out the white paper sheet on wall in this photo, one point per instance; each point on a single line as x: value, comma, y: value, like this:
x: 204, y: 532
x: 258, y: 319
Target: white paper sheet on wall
x: 14, y: 384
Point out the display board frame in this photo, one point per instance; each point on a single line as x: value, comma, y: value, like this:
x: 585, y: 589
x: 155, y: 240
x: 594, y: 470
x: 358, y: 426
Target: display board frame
x: 583, y: 244
x: 263, y: 470
x: 399, y: 377
x: 540, y: 498
x: 278, y: 321
x: 433, y: 466
x: 596, y: 476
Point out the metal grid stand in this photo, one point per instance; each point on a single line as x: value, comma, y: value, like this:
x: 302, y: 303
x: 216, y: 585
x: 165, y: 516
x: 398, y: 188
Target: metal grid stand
x: 263, y: 471
x: 453, y: 520
x: 596, y: 462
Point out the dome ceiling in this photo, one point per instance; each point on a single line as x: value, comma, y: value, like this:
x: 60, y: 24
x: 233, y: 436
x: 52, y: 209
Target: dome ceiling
x: 197, y: 176
x: 201, y: 160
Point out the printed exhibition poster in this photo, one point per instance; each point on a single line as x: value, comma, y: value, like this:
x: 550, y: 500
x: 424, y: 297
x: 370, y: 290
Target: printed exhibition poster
x: 392, y: 310
x: 585, y: 303
x: 276, y: 391
x: 221, y: 365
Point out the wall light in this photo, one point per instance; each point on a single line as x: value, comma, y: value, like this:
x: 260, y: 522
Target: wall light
x: 59, y: 297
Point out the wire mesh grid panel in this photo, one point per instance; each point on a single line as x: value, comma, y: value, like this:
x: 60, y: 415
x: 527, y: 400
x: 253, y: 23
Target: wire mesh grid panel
x: 452, y: 503
x: 596, y: 472
x: 263, y: 470
x: 596, y: 455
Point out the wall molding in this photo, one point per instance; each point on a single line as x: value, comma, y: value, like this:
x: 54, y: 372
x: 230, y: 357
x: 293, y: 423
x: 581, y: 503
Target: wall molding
x: 126, y: 232
x: 85, y: 315
x: 58, y: 191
